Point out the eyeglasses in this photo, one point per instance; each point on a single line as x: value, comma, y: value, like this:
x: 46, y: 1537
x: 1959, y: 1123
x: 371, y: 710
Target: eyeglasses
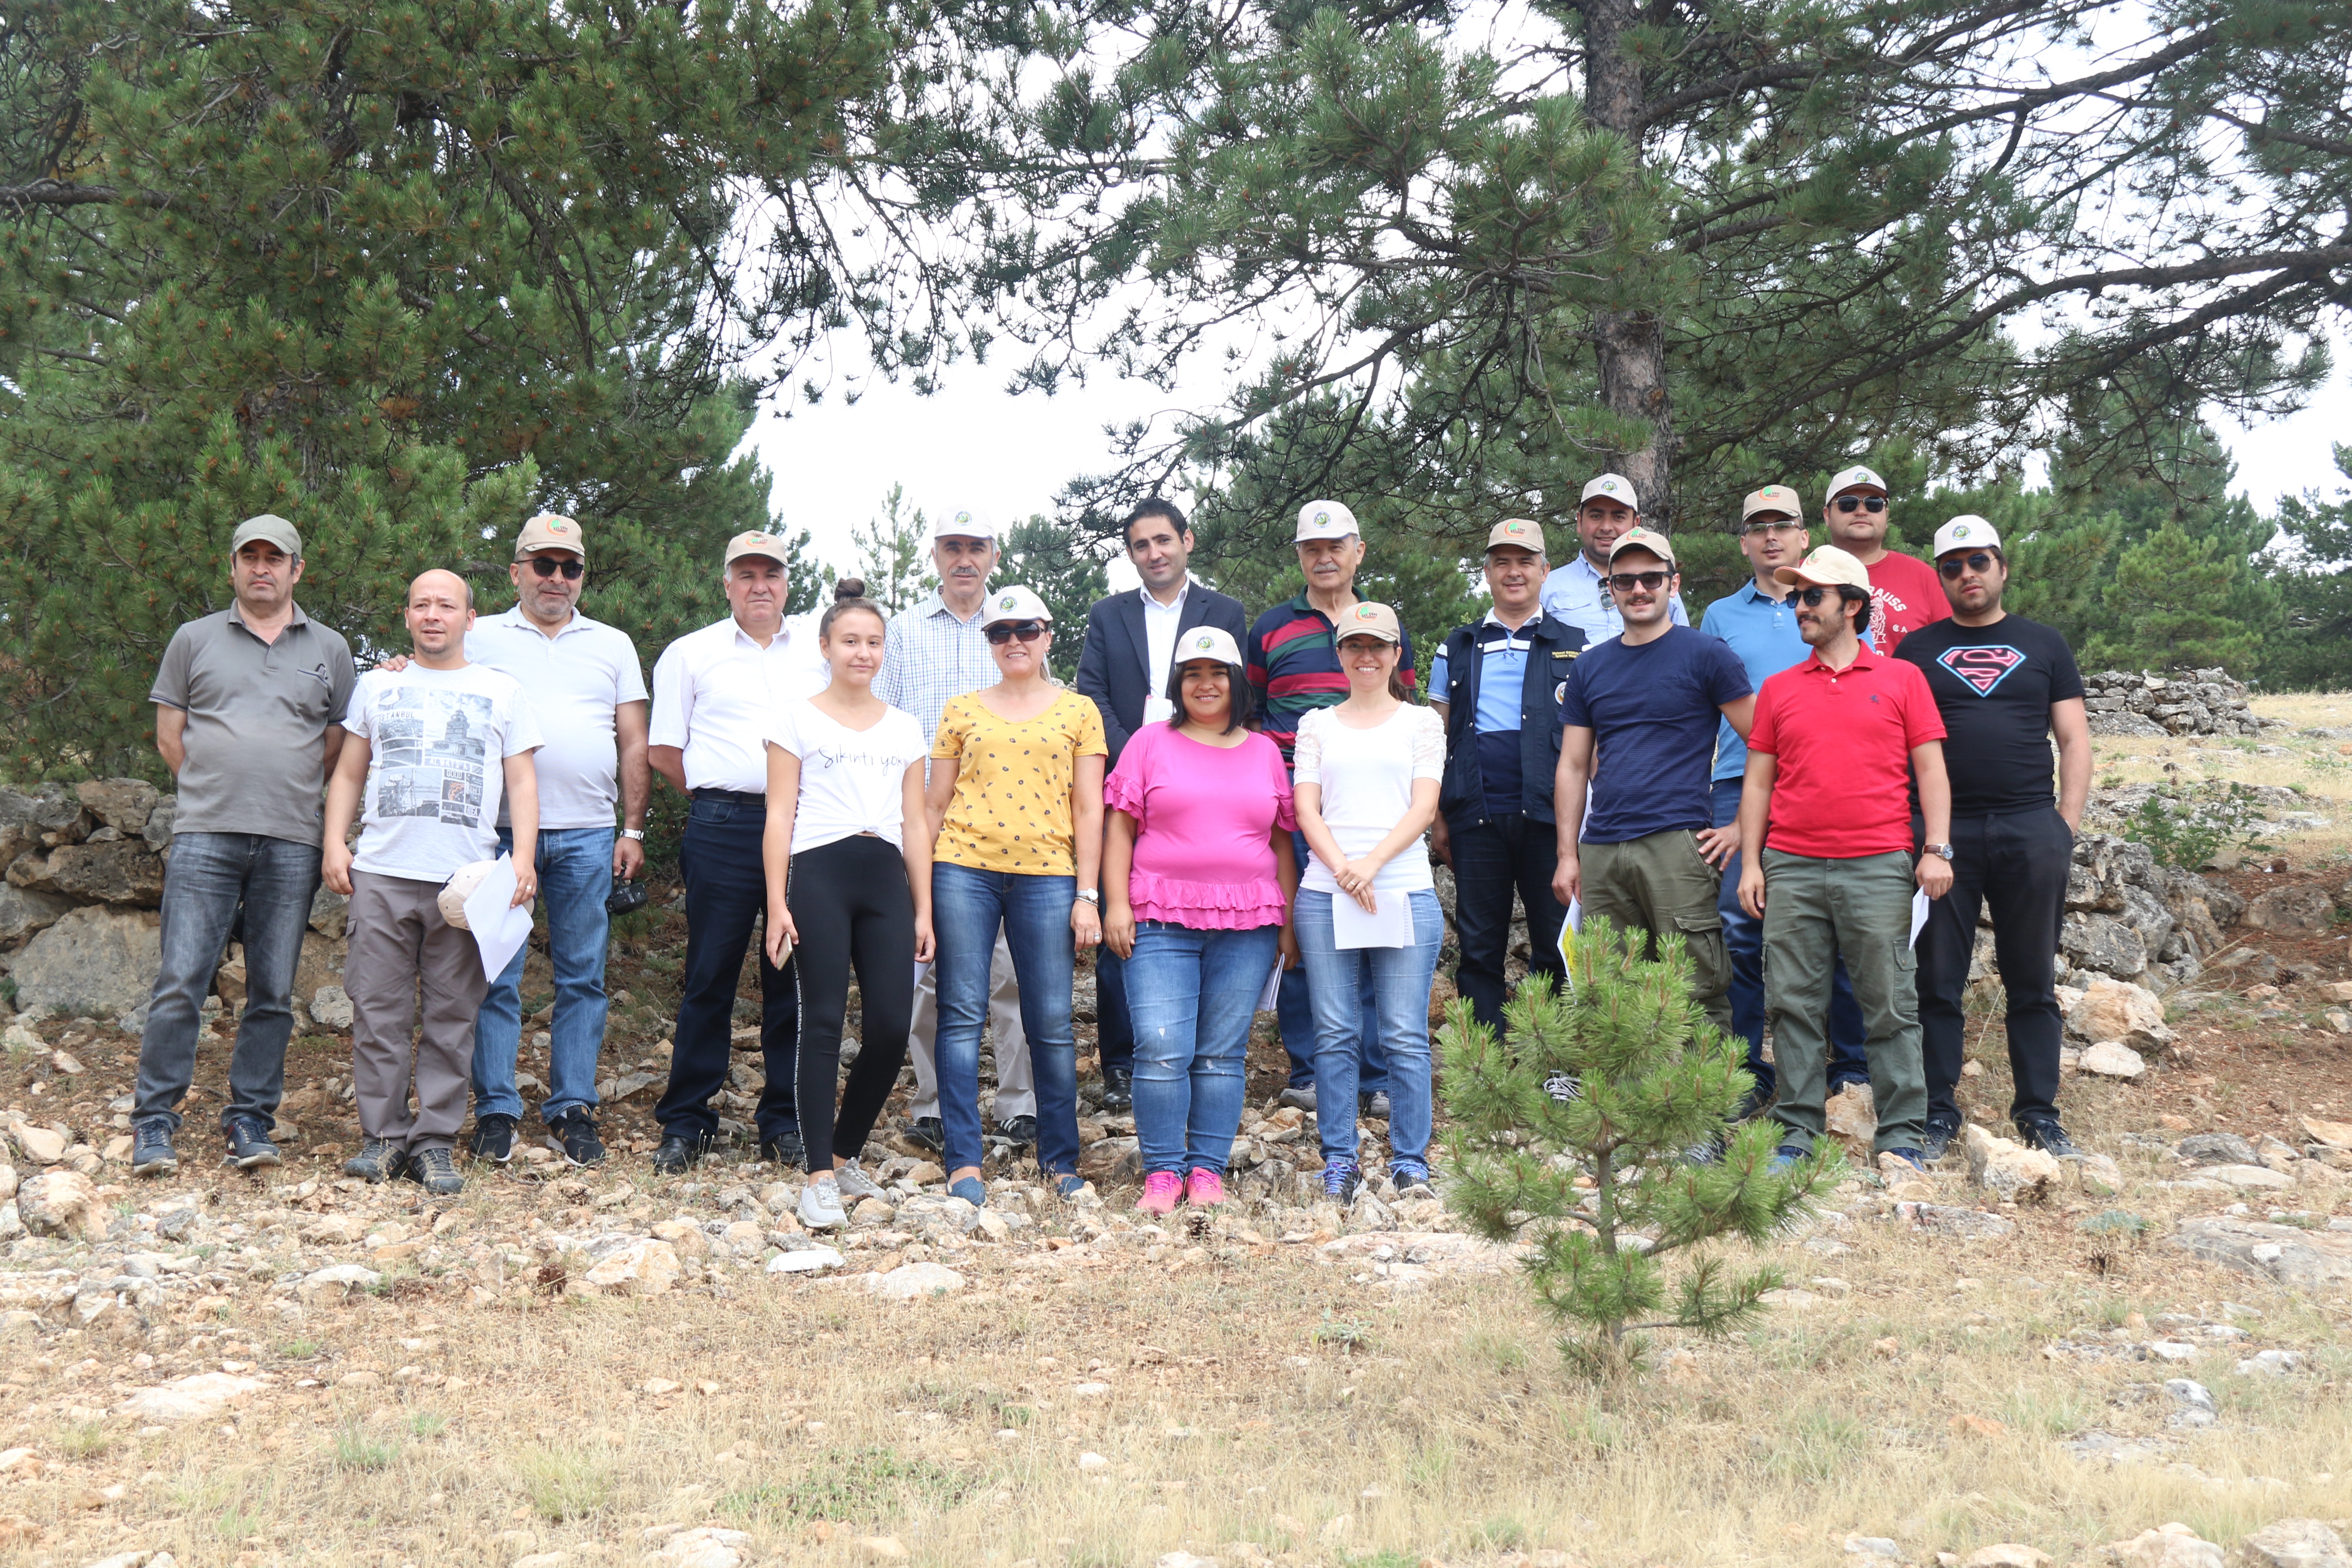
x: 1626, y: 581
x: 1862, y: 503
x: 548, y: 565
x: 1951, y: 567
x: 1811, y: 597
x: 1781, y: 526
x: 1003, y: 632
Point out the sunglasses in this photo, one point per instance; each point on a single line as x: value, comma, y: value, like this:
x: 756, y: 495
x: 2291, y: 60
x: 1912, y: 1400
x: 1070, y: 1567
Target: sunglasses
x: 1626, y: 581
x: 1862, y: 503
x: 548, y: 565
x: 1003, y: 632
x: 1811, y: 597
x: 1979, y: 562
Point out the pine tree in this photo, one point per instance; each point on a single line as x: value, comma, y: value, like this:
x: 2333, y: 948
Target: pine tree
x: 2173, y: 604
x: 2312, y: 573
x: 1652, y: 1079
x: 894, y: 553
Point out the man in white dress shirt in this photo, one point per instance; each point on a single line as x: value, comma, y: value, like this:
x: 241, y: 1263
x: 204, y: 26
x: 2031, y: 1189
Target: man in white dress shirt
x: 1578, y: 592
x: 714, y: 691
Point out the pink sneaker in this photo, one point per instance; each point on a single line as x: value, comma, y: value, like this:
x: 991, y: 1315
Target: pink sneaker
x: 1204, y: 1189
x: 1161, y: 1191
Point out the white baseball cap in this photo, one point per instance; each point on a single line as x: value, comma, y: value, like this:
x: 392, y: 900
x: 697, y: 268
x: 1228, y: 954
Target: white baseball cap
x: 963, y: 522
x: 1208, y: 642
x: 1014, y: 603
x: 1614, y: 487
x: 1855, y: 478
x: 1324, y: 520
x: 459, y: 888
x: 1967, y: 531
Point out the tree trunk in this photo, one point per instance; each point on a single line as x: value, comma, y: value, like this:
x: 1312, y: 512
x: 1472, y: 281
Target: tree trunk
x: 1630, y: 345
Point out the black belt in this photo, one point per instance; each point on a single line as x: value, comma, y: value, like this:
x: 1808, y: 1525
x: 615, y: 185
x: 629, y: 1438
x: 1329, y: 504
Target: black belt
x: 737, y: 795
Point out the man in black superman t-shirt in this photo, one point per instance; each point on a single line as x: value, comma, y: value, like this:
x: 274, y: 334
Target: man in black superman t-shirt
x: 2004, y: 685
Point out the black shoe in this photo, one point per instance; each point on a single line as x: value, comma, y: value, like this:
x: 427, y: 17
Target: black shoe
x: 1119, y: 1089
x: 1937, y: 1138
x: 931, y: 1133
x: 2043, y: 1132
x: 575, y: 1132
x: 785, y: 1148
x: 379, y: 1160
x: 493, y: 1137
x: 249, y: 1144
x: 1340, y: 1180
x: 1020, y: 1130
x: 679, y: 1152
x: 152, y: 1153
x: 1752, y: 1104
x: 1373, y: 1107
x: 436, y: 1170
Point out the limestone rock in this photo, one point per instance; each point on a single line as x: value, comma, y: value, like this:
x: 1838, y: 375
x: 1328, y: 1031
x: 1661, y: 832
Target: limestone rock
x: 8, y: 1182
x: 2103, y: 944
x: 331, y: 1008
x: 24, y: 910
x: 335, y: 1281
x: 2261, y: 1177
x: 1947, y: 1219
x: 2009, y: 1169
x: 2300, y: 1260
x: 2110, y: 1059
x: 646, y: 1267
x: 706, y: 1546
x: 685, y: 1238
x: 196, y: 1398
x: 94, y: 961
x: 2335, y: 1134
x: 2117, y: 1010
x: 2167, y: 1546
x: 121, y: 872
x: 39, y: 1145
x: 62, y: 1202
x: 916, y: 1281
x: 2295, y: 1543
x: 2216, y: 1148
x: 2096, y: 1174
x: 806, y: 1260
x: 123, y: 804
x: 2295, y: 911
x: 330, y: 911
x: 1850, y: 1115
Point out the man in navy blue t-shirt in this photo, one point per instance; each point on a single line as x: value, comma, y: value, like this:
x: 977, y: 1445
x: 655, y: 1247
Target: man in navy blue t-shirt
x: 1650, y: 857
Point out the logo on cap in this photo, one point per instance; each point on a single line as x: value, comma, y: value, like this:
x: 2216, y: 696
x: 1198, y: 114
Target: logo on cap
x: 1962, y: 532
x: 1322, y: 517
x: 1515, y: 528
x: 964, y: 517
x: 1608, y: 485
x: 1202, y: 641
x: 1366, y: 613
x: 1005, y: 601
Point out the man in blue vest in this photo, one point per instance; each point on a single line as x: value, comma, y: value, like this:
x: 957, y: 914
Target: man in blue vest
x: 1497, y: 685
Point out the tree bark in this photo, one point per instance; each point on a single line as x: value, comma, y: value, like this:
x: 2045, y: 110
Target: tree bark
x: 1630, y: 346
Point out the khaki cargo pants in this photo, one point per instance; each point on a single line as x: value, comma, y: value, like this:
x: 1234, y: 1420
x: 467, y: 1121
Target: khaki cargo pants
x: 1662, y: 884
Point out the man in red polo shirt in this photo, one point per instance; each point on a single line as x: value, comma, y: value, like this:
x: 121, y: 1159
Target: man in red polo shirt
x: 1831, y: 757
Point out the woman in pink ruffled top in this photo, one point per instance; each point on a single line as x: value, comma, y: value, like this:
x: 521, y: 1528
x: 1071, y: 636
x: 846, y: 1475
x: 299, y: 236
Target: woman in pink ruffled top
x: 1198, y: 877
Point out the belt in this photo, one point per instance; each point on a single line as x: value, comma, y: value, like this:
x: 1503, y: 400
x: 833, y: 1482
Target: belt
x: 738, y: 796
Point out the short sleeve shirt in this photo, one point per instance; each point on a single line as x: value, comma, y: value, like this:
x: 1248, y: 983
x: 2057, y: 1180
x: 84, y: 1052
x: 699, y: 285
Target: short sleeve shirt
x: 1653, y: 709
x: 1904, y: 596
x: 1994, y: 686
x: 257, y: 716
x: 1010, y: 809
x: 1843, y: 740
x: 437, y: 744
x: 577, y: 680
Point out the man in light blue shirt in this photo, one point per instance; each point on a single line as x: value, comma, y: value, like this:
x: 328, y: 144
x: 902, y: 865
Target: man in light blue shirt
x: 1578, y: 592
x: 1758, y: 619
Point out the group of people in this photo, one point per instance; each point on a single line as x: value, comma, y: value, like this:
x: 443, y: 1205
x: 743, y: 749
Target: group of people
x: 1229, y: 813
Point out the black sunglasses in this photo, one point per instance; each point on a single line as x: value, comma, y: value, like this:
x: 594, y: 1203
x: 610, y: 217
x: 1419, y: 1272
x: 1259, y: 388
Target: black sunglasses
x: 1626, y: 582
x: 1811, y: 597
x: 1003, y: 632
x: 1951, y: 567
x: 1862, y: 503
x: 548, y: 565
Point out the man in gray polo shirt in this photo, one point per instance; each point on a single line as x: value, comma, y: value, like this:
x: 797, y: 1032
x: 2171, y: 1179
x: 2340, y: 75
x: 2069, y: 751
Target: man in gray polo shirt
x: 247, y: 705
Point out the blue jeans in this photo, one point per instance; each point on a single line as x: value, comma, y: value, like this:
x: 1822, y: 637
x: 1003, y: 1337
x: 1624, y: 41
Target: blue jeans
x: 1193, y: 994
x: 968, y: 907
x: 1114, y: 1029
x: 1399, y: 979
x: 726, y: 893
x: 1295, y: 1011
x: 575, y: 878
x: 1743, y: 937
x: 210, y: 876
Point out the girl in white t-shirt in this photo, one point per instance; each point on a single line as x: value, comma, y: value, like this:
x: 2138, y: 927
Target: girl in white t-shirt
x: 1367, y: 777
x: 848, y: 888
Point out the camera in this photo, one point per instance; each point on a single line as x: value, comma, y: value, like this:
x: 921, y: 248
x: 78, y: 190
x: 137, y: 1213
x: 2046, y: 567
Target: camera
x: 627, y: 899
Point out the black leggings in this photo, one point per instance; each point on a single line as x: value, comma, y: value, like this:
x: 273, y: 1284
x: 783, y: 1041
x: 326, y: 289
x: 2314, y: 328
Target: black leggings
x: 850, y: 903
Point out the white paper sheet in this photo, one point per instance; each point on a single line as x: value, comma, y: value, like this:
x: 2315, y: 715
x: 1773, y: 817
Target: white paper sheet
x: 1269, y: 997
x: 1390, y: 924
x: 500, y: 926
x: 921, y: 969
x: 1918, y: 914
x: 1568, y: 929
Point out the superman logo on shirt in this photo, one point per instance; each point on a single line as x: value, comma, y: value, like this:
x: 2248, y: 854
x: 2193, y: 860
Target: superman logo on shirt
x: 1982, y: 668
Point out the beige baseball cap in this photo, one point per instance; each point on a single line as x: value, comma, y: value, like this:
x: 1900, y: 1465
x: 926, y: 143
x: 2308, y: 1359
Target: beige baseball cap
x: 550, y: 531
x: 1324, y: 520
x: 1517, y: 532
x: 1014, y: 603
x: 1611, y: 487
x: 1208, y: 642
x: 1648, y: 538
x: 755, y: 543
x: 268, y: 526
x: 1772, y: 498
x: 963, y: 522
x: 1368, y: 618
x: 1855, y: 478
x: 1827, y: 567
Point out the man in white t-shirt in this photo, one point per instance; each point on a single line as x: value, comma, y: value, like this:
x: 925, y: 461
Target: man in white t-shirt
x: 436, y: 748
x: 588, y: 693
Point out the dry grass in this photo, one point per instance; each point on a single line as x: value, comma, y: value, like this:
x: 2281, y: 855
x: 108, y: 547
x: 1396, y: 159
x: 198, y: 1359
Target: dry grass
x: 2322, y: 768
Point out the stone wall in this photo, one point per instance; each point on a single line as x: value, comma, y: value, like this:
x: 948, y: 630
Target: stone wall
x: 2193, y: 702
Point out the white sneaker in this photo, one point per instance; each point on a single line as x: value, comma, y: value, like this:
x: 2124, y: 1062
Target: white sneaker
x: 855, y: 1183
x: 821, y: 1207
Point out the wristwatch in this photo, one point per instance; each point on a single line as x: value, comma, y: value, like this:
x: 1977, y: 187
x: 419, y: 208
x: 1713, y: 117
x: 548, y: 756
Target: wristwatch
x: 1941, y: 851
x: 1091, y: 896
x: 637, y: 833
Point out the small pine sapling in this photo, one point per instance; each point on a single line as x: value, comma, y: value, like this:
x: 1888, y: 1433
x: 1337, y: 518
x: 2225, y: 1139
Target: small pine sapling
x: 1601, y: 1132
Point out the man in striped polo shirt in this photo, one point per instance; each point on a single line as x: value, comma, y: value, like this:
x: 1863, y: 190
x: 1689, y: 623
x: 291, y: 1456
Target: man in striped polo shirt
x: 1294, y: 668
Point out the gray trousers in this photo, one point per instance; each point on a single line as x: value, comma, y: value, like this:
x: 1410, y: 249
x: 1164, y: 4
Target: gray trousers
x: 1016, y: 1093
x: 400, y: 945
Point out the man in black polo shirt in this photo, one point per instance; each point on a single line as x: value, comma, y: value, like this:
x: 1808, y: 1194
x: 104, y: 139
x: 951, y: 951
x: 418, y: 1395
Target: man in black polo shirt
x: 1496, y: 684
x: 2004, y: 685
